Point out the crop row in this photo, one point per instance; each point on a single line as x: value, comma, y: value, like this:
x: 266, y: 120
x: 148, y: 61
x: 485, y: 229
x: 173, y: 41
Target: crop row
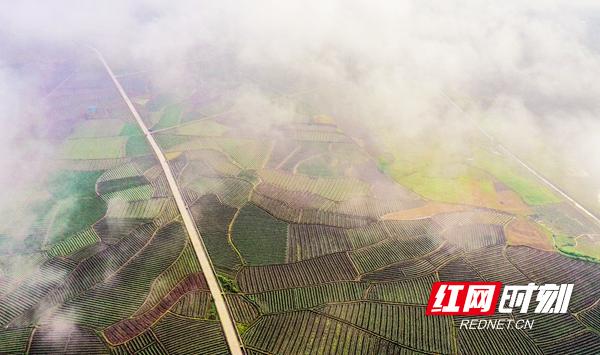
x: 332, y: 267
x: 131, y: 327
x: 337, y: 189
x: 120, y: 295
x: 212, y: 219
x: 33, y: 289
x: 306, y: 241
x: 231, y: 191
x: 492, y: 265
x: 547, y: 267
x: 119, y: 172
x: 242, y: 309
x: 452, y: 219
x: 475, y: 236
x: 307, y: 332
x: 405, y: 324
x: 308, y: 297
x: 138, y: 193
x: 495, y: 342
x: 69, y: 340
x: 391, y: 251
x: 403, y: 270
x: 186, y: 264
x: 174, y: 333
x: 74, y: 243
x: 260, y: 238
x: 414, y: 291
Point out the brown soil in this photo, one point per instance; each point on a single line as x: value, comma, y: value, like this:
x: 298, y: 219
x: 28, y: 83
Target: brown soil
x: 523, y: 231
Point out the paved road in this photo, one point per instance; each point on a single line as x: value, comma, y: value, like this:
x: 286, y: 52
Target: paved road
x: 231, y: 334
x: 510, y: 154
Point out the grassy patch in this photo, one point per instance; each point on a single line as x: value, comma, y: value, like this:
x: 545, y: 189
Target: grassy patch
x: 208, y: 128
x: 137, y: 145
x: 98, y: 128
x: 75, y: 205
x: 532, y: 192
x: 170, y: 117
x: 260, y: 238
x: 131, y: 129
x: 94, y: 148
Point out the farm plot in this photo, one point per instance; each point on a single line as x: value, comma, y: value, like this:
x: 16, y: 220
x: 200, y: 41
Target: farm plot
x: 233, y: 192
x: 250, y: 154
x: 215, y: 160
x: 492, y: 264
x: 194, y: 304
x: 33, y: 289
x: 128, y: 329
x: 415, y: 291
x: 128, y: 170
x: 458, y: 270
x: 112, y: 230
x: 212, y: 219
x: 242, y: 309
x: 14, y: 340
x: 74, y: 243
x: 294, y: 199
x: 307, y: 332
x: 281, y: 150
x: 260, y: 238
x: 186, y: 264
x: 174, y: 333
x: 203, y: 128
x: 475, y: 236
x: 337, y: 189
x: 308, y: 297
x: 371, y: 207
x: 392, y: 251
x: 94, y: 148
x: 546, y: 267
x: 447, y: 220
x: 98, y: 128
x: 145, y: 343
x: 490, y: 341
x: 123, y: 293
x: 329, y: 268
x: 306, y: 241
x: 403, y: 324
x: 71, y: 340
x: 403, y: 270
x: 587, y: 342
x: 549, y: 327
x: 113, y: 185
x: 148, y: 209
x: 313, y: 216
x: 276, y: 208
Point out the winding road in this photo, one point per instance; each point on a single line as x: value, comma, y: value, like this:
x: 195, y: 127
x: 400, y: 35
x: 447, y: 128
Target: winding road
x: 229, y: 329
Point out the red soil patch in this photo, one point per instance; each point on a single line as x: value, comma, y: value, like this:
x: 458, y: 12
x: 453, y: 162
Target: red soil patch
x: 128, y: 329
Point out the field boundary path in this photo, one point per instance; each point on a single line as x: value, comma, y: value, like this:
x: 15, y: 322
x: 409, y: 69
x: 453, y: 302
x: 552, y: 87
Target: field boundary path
x: 229, y: 329
x: 592, y: 217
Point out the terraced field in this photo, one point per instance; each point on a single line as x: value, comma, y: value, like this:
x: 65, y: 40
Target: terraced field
x: 320, y: 245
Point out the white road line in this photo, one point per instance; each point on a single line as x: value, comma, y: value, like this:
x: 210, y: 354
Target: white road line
x: 574, y: 203
x: 229, y: 329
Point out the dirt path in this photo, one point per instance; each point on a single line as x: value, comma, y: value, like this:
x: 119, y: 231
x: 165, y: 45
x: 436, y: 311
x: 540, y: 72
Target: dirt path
x: 229, y: 329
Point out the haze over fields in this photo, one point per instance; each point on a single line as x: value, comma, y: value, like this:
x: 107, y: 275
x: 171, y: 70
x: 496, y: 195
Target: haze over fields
x: 529, y: 67
x: 337, y: 158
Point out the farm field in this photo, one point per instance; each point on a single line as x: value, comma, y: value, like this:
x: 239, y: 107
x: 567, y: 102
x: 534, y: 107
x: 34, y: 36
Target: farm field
x: 321, y: 243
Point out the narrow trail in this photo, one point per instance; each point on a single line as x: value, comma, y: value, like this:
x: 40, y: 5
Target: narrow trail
x: 229, y: 329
